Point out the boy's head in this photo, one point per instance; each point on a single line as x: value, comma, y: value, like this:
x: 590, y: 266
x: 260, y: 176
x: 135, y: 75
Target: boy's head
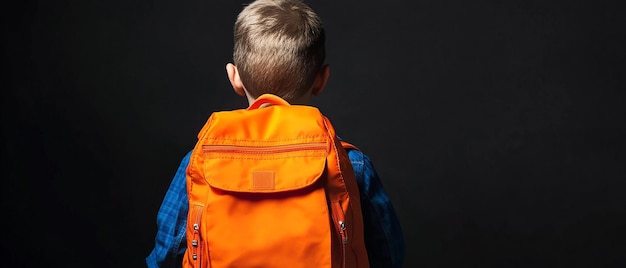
x: 279, y: 48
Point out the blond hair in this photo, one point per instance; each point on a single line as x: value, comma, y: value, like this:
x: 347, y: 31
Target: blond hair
x: 278, y: 47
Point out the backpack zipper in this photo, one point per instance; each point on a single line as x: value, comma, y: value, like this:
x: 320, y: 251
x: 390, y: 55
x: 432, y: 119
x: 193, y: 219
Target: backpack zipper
x: 264, y: 149
x: 344, y: 241
x: 196, y: 244
x: 340, y: 225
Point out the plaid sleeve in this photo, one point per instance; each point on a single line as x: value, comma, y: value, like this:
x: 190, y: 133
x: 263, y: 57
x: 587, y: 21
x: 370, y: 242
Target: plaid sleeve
x: 170, y: 241
x: 383, y: 234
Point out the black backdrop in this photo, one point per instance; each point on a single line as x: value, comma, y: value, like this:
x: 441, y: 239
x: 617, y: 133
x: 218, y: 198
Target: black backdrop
x: 497, y: 126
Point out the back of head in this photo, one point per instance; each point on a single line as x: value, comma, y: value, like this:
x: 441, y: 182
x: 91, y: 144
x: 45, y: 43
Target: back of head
x: 279, y: 47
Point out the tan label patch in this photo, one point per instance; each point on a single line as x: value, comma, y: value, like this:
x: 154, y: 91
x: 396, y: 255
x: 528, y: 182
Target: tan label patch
x: 263, y: 180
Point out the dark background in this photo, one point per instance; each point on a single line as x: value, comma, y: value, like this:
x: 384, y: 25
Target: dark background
x: 497, y: 127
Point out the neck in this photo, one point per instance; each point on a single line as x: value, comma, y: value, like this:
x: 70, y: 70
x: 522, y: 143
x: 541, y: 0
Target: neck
x: 304, y: 100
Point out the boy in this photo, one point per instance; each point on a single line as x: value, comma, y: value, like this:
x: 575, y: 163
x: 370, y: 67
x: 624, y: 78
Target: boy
x: 280, y: 49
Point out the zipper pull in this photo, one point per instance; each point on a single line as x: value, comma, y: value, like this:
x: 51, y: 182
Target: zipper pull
x: 343, y: 232
x: 194, y: 242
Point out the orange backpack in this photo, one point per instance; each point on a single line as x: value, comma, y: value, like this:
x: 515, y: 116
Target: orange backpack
x: 272, y: 187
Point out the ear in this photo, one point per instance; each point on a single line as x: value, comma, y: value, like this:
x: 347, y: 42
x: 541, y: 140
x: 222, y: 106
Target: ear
x: 320, y: 80
x: 235, y: 80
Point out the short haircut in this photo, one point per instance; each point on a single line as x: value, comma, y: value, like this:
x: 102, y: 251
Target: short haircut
x: 279, y: 47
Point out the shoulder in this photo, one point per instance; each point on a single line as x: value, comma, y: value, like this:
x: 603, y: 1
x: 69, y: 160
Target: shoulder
x: 354, y: 153
x: 361, y: 162
x: 356, y: 156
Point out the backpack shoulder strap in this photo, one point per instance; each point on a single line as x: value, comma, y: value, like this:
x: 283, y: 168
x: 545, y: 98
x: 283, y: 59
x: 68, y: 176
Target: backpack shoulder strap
x: 267, y: 99
x: 348, y: 145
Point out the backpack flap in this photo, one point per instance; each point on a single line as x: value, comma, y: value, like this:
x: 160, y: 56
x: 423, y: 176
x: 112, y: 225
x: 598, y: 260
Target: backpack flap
x: 267, y: 168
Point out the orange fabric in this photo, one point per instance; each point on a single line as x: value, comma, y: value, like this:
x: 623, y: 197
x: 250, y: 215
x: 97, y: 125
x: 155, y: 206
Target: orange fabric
x: 272, y: 187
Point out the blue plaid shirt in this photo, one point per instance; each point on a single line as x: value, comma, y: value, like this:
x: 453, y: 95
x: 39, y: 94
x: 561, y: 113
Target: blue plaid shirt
x: 383, y: 233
